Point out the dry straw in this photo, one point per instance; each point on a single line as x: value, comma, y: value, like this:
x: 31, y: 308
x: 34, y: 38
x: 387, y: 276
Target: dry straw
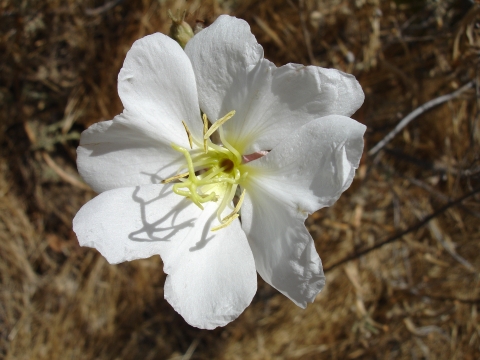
x: 417, y: 296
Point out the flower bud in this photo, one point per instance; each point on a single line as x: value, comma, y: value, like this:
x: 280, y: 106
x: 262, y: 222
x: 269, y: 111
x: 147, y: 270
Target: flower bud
x: 180, y: 31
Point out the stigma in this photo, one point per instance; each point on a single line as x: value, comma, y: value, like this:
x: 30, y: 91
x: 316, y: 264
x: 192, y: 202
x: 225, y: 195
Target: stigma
x: 211, y: 172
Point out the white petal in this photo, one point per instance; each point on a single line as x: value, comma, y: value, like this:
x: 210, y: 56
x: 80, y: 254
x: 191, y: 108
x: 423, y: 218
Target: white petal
x: 212, y: 276
x: 221, y: 56
x: 284, y: 251
x: 112, y: 155
x: 280, y: 100
x: 314, y: 165
x: 157, y: 86
x: 270, y: 102
x: 131, y: 223
x: 307, y: 171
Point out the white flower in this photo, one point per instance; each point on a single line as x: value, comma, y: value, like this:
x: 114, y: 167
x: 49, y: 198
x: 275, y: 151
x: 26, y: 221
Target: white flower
x: 298, y: 114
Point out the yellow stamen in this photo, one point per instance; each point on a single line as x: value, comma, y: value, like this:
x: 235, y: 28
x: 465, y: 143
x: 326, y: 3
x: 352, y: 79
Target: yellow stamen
x: 227, y: 198
x: 237, y: 208
x: 205, y: 129
x: 188, y: 134
x: 227, y: 144
x: 212, y: 173
x: 224, y: 225
x: 173, y: 178
x: 219, y: 123
x: 191, y: 170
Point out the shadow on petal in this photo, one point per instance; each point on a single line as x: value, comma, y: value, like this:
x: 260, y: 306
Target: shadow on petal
x: 204, y: 239
x: 166, y: 226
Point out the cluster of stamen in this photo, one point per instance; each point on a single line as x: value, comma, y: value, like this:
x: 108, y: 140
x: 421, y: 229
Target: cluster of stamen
x: 214, y: 171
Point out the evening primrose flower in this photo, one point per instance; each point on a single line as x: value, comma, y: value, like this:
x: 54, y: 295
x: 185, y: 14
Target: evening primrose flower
x: 214, y: 164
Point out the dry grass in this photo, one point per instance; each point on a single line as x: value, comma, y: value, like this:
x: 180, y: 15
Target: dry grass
x: 417, y: 297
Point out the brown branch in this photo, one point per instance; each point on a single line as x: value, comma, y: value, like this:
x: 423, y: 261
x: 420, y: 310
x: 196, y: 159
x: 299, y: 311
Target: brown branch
x: 417, y: 112
x: 104, y: 8
x: 399, y: 235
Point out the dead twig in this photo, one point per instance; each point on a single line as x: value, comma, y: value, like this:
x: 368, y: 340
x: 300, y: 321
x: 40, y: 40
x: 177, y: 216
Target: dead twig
x: 191, y: 349
x: 418, y: 111
x: 306, y: 33
x: 473, y: 126
x: 104, y: 8
x: 438, y: 194
x: 399, y: 235
x: 436, y: 166
x: 437, y: 234
x: 65, y: 176
x: 270, y: 32
x: 450, y: 298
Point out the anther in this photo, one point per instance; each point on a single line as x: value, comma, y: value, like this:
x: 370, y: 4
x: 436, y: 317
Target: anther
x: 236, y: 210
x: 224, y: 225
x: 205, y: 129
x: 188, y: 134
x: 173, y: 178
x: 219, y: 123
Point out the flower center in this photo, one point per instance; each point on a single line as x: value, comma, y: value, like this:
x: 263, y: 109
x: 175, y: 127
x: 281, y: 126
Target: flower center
x: 212, y: 172
x: 228, y: 165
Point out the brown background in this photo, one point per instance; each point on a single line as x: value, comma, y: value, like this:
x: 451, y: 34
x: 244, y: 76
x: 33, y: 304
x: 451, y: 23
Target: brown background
x: 416, y: 297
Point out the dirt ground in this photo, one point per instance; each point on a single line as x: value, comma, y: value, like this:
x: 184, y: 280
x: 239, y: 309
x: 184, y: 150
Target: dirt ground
x: 401, y: 247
